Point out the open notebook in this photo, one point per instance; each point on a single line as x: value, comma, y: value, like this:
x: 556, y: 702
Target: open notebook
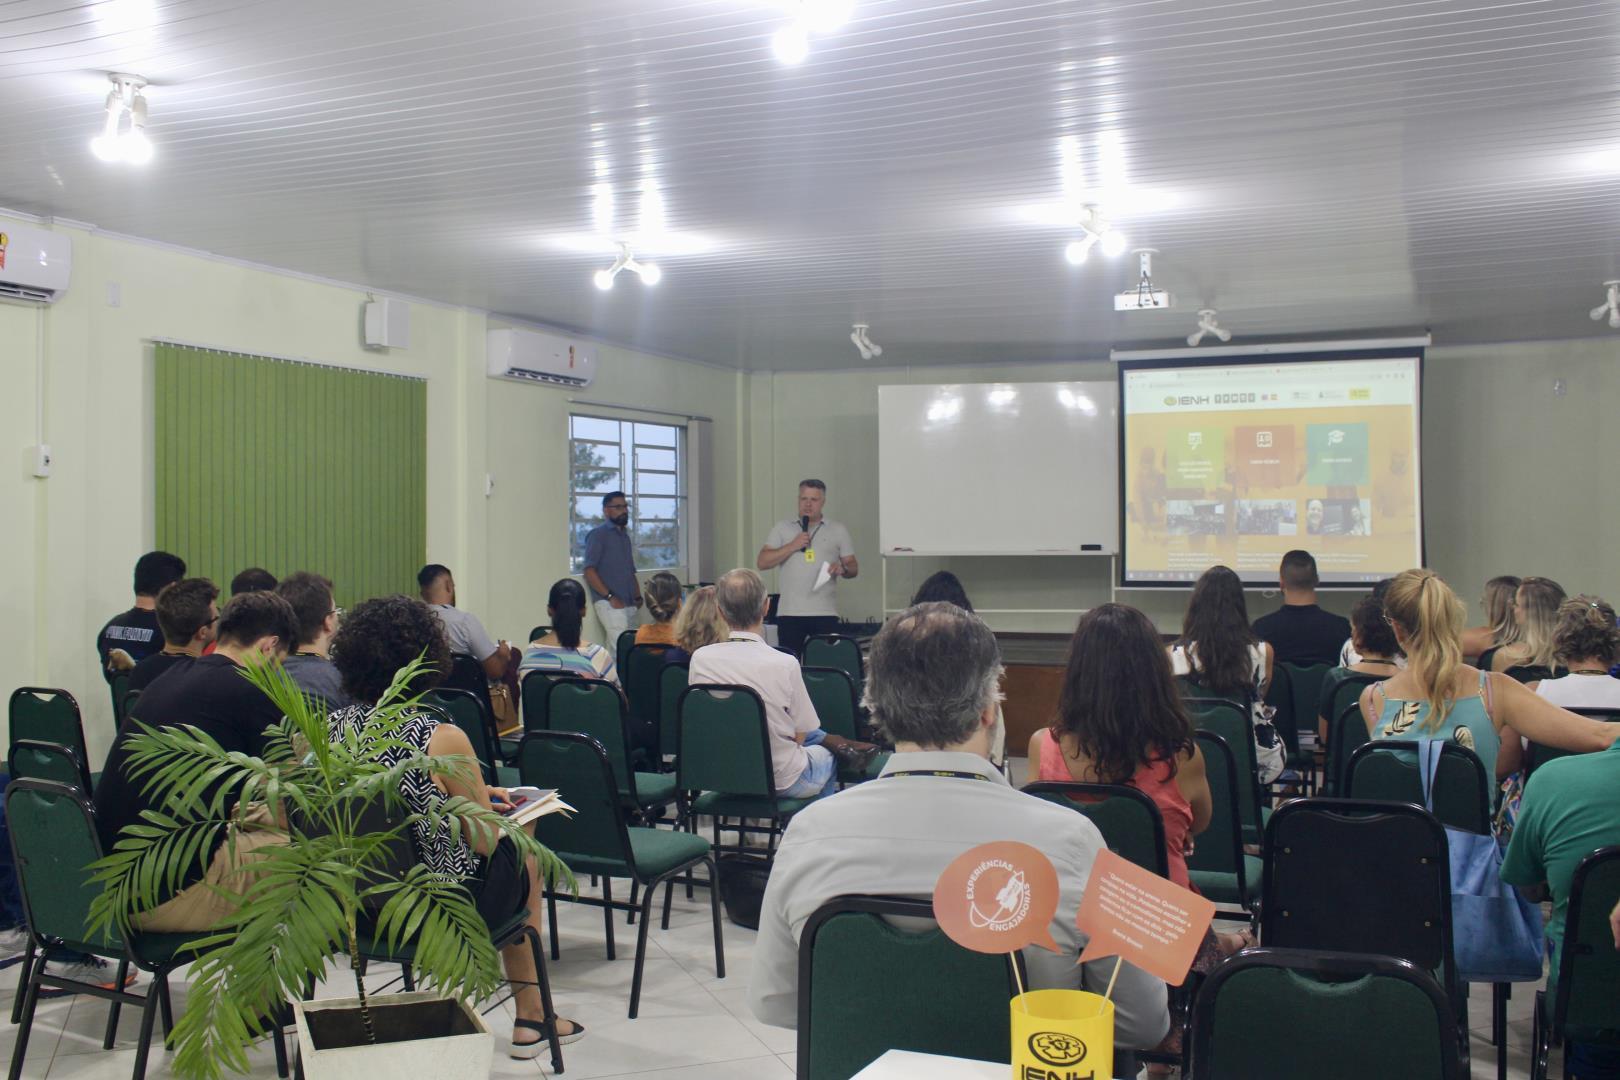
x: 529, y: 803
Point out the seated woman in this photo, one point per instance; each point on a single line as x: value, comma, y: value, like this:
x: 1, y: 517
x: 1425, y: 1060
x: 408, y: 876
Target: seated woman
x: 699, y: 623
x: 1219, y: 652
x: 1535, y: 612
x: 1499, y: 628
x: 1438, y: 696
x: 663, y: 593
x: 947, y: 587
x: 1376, y: 652
x: 1586, y: 642
x: 375, y: 640
x: 562, y: 650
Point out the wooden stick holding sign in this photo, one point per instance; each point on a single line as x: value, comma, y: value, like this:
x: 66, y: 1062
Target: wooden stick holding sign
x: 1136, y: 915
x: 999, y: 898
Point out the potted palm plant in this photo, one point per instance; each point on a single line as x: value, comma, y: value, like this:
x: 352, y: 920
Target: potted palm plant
x: 335, y: 874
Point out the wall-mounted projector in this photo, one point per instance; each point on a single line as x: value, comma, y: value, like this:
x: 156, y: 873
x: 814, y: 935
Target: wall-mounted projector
x: 1144, y: 297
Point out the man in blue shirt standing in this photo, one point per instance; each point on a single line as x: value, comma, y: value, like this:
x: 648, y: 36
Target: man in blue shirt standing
x: 610, y: 569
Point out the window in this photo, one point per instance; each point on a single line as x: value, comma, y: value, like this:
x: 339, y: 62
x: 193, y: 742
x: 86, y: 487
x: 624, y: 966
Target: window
x: 645, y: 461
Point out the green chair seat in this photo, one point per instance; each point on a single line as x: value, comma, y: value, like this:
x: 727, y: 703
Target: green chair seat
x: 656, y: 851
x: 873, y: 770
x: 507, y: 776
x: 654, y: 788
x: 1222, y: 888
x: 161, y: 950
x: 720, y: 804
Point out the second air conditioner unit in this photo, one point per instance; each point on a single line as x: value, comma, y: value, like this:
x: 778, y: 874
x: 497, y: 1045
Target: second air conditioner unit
x: 532, y: 356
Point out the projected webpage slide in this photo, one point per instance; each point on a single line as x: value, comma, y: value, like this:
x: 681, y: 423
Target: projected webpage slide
x: 1237, y: 464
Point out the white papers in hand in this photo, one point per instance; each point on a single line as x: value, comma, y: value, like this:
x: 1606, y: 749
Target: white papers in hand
x: 823, y: 576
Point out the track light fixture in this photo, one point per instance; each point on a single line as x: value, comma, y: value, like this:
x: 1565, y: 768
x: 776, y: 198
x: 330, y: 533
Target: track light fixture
x: 864, y: 344
x: 648, y: 272
x: 123, y: 134
x: 792, y: 43
x: 1095, y: 231
x: 1206, y: 325
x: 1611, y: 306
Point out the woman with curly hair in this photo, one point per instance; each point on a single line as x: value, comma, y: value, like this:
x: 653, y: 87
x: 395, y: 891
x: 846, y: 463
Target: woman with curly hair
x: 376, y: 639
x: 1587, y: 642
x: 663, y: 593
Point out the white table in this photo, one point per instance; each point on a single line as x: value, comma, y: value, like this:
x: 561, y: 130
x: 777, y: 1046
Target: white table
x: 909, y: 1065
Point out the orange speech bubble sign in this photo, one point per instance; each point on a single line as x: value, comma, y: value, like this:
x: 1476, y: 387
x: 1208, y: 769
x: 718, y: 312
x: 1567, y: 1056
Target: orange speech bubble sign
x: 1144, y: 918
x: 998, y: 898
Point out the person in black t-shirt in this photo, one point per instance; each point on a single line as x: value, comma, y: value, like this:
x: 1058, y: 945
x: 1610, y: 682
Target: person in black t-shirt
x: 129, y: 638
x: 1300, y: 632
x: 211, y: 694
x: 187, y: 613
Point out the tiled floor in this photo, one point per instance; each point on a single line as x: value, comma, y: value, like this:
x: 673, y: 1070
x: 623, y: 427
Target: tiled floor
x: 692, y: 1025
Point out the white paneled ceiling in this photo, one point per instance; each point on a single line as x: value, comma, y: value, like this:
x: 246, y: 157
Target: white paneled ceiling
x: 1308, y: 168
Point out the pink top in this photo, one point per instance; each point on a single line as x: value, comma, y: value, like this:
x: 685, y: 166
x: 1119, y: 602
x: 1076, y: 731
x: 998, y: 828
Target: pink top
x: 1153, y: 780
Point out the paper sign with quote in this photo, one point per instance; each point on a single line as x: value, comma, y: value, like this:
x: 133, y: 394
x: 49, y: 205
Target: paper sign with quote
x: 998, y: 898
x: 1146, y: 919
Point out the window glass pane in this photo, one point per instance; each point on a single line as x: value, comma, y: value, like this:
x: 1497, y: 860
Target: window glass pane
x: 656, y: 435
x: 647, y: 458
x: 647, y: 508
x: 588, y: 509
x: 599, y: 480
x: 655, y: 484
x: 651, y: 558
x: 593, y: 458
x: 590, y: 427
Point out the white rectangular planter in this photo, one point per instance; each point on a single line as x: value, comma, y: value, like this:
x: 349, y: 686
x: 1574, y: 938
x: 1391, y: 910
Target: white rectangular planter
x: 449, y: 1057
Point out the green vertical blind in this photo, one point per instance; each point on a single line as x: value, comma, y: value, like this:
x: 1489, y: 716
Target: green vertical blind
x: 290, y: 466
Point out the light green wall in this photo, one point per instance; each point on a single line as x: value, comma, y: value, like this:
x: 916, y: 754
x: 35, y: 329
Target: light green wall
x: 71, y: 541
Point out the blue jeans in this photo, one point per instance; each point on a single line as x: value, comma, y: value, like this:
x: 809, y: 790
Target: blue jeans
x: 820, y: 776
x: 1592, y: 1061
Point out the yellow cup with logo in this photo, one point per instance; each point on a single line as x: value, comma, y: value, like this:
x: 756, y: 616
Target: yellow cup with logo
x: 1062, y: 1035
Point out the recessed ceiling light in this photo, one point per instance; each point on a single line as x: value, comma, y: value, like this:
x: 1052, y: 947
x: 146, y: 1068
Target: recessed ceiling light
x: 791, y: 44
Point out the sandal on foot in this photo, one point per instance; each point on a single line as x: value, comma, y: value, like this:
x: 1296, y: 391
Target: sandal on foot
x: 527, y: 1051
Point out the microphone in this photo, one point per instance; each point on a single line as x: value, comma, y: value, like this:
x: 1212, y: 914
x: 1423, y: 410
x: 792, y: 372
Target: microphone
x: 804, y: 526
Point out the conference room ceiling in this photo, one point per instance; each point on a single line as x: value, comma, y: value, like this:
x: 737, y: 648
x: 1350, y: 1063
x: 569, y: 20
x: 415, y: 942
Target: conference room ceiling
x: 1307, y: 168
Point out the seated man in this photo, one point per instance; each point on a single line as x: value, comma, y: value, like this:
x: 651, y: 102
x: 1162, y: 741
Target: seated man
x: 253, y: 579
x: 931, y: 685
x: 1570, y: 808
x: 310, y: 664
x: 1300, y: 632
x: 129, y: 638
x: 804, y: 758
x: 187, y: 613
x: 210, y: 694
x: 462, y: 629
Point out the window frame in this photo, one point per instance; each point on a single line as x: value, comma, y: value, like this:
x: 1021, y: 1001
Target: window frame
x: 631, y: 486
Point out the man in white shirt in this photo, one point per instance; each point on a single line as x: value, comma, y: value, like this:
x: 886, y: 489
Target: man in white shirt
x: 798, y: 549
x: 802, y: 771
x: 932, y: 685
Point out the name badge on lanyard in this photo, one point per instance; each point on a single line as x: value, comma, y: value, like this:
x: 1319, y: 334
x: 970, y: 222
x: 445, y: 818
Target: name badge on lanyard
x: 809, y: 554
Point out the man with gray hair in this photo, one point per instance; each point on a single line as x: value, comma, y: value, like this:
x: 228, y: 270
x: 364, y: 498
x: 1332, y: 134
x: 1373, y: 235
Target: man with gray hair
x: 931, y: 684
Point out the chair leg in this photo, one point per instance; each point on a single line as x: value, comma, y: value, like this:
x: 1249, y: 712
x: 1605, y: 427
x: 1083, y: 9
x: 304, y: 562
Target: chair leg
x: 669, y: 894
x: 114, y: 1008
x: 149, y: 1013
x: 551, y: 917
x: 165, y: 1006
x: 714, y: 913
x: 630, y: 916
x: 408, y: 976
x: 607, y: 914
x: 641, y: 950
x: 550, y: 1013
x: 25, y: 1024
x: 278, y: 1036
x: 1499, y: 1000
x: 29, y: 959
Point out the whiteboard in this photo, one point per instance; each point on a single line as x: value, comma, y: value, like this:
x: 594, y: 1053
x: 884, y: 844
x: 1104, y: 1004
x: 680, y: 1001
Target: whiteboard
x: 998, y: 469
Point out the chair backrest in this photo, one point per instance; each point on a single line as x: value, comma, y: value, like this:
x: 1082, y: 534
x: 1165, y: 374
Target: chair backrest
x: 621, y: 650
x: 672, y: 683
x: 534, y: 690
x: 1527, y: 673
x: 1305, y: 686
x: 835, y: 651
x: 832, y: 692
x: 576, y: 765
x: 1387, y: 770
x: 1220, y: 846
x: 1347, y: 732
x: 132, y: 700
x: 1588, y: 964
x: 1366, y: 1016
x: 120, y: 693
x: 1231, y: 721
x: 44, y: 714
x: 1539, y: 753
x: 724, y: 745
x: 596, y: 708
x: 855, y: 965
x: 1128, y: 818
x: 32, y: 760
x: 641, y: 675
x: 539, y: 632
x: 53, y: 840
x: 467, y: 673
x: 1349, y: 875
x: 462, y: 709
x: 1280, y: 696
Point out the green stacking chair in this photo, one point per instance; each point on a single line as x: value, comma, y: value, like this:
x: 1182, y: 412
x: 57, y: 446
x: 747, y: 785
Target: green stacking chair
x: 1387, y: 770
x: 31, y: 760
x: 464, y: 710
x: 44, y: 714
x: 832, y: 692
x: 596, y: 708
x: 1540, y: 754
x: 855, y: 964
x: 1305, y: 689
x: 119, y: 688
x: 725, y: 758
x: 539, y: 632
x: 1346, y: 734
x: 1218, y: 864
x: 1586, y: 1004
x: 1231, y: 721
x: 1362, y: 1016
x: 1128, y: 819
x: 621, y: 652
x: 596, y: 840
x: 641, y: 677
x: 672, y: 683
x: 53, y: 840
x: 836, y: 651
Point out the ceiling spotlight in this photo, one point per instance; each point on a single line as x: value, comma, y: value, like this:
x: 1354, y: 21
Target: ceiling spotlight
x: 864, y: 344
x: 1206, y: 325
x: 1611, y: 306
x: 647, y: 272
x: 1113, y: 243
x: 1079, y: 250
x: 123, y: 135
x: 792, y: 43
x: 1097, y: 232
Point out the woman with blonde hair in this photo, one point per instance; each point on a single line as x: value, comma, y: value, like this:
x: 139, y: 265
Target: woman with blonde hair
x: 1438, y: 696
x: 1587, y: 642
x: 699, y: 623
x: 1499, y: 628
x: 663, y: 593
x: 1535, y: 612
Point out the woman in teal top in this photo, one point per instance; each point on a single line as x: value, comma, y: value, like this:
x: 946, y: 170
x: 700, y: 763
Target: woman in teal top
x: 1438, y: 696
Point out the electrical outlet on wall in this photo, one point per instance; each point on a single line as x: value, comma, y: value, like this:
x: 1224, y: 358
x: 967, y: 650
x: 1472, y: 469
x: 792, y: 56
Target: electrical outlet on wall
x: 41, y: 455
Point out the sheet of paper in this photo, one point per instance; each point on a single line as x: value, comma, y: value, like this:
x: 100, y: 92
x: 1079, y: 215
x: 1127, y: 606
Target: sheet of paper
x: 823, y: 576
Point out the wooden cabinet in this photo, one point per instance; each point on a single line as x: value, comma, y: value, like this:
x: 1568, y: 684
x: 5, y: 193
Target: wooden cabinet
x: 1031, y: 697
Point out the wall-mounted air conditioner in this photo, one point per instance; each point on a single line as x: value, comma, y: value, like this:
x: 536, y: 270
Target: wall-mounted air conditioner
x: 530, y: 356
x: 34, y: 264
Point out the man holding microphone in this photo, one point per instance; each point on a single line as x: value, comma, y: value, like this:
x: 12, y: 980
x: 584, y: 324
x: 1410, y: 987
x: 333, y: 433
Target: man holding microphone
x: 799, y: 548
